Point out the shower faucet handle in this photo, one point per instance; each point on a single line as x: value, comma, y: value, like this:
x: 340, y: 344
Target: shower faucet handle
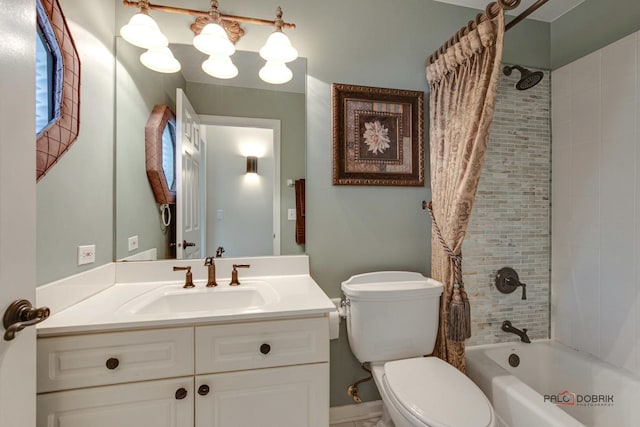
x: 507, y: 281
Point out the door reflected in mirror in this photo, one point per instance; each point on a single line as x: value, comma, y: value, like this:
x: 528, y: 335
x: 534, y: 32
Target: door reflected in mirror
x: 244, y: 213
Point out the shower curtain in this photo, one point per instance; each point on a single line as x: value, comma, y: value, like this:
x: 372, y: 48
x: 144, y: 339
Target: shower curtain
x: 463, y: 83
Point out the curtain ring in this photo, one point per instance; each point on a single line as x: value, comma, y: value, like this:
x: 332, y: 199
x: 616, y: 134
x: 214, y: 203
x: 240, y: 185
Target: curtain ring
x: 508, y: 4
x: 488, y: 13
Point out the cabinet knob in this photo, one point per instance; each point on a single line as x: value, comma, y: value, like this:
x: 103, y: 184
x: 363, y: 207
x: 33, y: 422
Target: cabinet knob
x: 181, y: 393
x: 112, y: 363
x: 203, y: 390
x: 265, y: 348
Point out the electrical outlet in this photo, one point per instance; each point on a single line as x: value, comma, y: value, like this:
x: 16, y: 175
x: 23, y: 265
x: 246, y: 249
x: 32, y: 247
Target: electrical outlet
x: 291, y: 214
x: 133, y: 243
x: 86, y: 254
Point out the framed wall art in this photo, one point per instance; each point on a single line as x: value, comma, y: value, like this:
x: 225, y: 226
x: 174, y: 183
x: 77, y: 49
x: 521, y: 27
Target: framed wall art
x: 378, y: 136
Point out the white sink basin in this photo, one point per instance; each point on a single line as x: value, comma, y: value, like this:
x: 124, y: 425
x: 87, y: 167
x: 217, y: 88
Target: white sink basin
x: 249, y: 296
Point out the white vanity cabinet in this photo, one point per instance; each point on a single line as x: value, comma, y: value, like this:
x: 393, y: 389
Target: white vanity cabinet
x: 272, y: 373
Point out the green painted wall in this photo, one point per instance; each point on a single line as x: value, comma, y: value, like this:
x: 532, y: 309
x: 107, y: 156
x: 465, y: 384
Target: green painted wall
x: 74, y: 204
x: 591, y: 26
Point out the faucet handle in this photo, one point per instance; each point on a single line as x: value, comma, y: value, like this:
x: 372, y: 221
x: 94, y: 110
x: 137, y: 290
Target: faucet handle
x: 208, y: 261
x: 234, y: 273
x: 524, y: 290
x: 188, y: 281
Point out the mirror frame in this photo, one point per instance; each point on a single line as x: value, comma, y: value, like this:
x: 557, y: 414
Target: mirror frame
x: 54, y: 141
x: 153, y: 131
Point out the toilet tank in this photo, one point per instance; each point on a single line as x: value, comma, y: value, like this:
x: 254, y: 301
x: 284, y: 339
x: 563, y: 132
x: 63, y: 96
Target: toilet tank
x: 391, y: 315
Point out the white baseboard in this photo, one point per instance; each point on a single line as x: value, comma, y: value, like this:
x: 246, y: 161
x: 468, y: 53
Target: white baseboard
x: 362, y: 411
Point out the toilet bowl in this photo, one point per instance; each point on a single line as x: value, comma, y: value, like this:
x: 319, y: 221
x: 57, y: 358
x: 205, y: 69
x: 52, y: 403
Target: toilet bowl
x: 392, y: 320
x: 428, y: 392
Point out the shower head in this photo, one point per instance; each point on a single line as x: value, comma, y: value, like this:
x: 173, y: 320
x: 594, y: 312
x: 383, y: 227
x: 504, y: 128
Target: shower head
x: 528, y: 79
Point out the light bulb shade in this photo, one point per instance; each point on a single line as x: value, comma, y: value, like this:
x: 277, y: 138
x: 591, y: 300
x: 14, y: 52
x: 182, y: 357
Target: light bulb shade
x: 278, y: 48
x: 275, y: 73
x: 161, y: 60
x: 252, y: 164
x: 142, y: 31
x: 213, y: 40
x: 220, y: 67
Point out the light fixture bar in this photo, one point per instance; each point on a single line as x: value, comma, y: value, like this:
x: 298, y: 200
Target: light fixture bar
x: 192, y: 12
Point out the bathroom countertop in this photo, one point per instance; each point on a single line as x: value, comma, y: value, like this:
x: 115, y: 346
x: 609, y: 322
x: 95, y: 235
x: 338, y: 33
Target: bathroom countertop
x: 110, y: 309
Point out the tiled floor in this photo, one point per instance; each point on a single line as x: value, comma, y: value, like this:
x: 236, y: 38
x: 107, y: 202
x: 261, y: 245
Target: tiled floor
x: 362, y: 423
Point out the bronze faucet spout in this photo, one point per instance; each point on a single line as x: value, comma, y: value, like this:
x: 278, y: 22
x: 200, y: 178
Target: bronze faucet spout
x: 211, y: 276
x: 508, y: 327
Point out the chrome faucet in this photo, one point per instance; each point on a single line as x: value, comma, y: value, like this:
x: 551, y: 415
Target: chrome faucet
x: 508, y: 327
x: 211, y: 277
x: 188, y: 280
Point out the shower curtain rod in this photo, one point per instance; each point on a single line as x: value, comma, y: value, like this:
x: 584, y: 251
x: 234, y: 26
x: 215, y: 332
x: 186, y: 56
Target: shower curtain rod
x: 490, y: 12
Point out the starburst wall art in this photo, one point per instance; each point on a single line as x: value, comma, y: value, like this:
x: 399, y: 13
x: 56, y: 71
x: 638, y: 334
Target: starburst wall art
x: 378, y: 136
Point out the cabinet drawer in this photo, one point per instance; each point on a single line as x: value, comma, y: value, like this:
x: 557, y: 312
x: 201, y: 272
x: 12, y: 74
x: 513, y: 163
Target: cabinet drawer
x: 111, y: 358
x: 160, y: 403
x: 221, y: 348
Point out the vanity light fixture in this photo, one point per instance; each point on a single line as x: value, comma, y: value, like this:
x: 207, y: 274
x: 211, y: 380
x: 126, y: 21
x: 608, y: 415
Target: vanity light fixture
x: 252, y: 164
x: 277, y: 51
x: 216, y: 35
x: 160, y: 59
x: 142, y: 31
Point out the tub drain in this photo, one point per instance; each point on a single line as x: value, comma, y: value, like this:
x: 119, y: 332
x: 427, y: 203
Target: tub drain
x: 514, y: 360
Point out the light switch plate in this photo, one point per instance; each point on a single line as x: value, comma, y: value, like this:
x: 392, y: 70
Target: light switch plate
x: 133, y: 243
x: 86, y: 254
x: 291, y: 214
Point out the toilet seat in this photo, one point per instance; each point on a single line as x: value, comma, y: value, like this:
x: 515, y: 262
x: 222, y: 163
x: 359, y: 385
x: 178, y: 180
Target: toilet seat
x: 430, y: 392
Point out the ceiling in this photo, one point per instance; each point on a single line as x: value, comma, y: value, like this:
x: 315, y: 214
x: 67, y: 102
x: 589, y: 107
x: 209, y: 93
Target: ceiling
x: 548, y: 12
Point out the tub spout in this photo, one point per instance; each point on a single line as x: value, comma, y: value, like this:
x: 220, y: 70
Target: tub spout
x: 508, y: 327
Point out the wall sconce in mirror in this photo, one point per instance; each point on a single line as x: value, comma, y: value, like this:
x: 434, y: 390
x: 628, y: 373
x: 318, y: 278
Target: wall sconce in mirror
x: 215, y: 35
x: 160, y: 153
x: 57, y: 86
x: 252, y: 164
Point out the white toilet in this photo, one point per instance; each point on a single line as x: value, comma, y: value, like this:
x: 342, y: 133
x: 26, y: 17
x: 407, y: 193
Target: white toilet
x: 392, y: 321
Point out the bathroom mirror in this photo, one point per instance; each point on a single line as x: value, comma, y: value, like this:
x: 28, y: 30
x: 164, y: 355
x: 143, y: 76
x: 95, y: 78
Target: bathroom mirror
x: 235, y: 112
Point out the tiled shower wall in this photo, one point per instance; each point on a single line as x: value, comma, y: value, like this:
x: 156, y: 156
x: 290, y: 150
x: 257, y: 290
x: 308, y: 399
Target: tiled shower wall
x: 510, y: 219
x: 596, y: 204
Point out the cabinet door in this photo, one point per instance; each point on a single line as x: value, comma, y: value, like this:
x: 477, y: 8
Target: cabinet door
x: 161, y: 403
x: 294, y: 396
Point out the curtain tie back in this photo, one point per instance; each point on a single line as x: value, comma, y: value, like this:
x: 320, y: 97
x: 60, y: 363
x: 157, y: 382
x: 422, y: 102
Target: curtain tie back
x: 459, y: 327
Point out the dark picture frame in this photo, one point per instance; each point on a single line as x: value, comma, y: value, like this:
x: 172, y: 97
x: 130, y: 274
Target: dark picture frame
x: 378, y: 136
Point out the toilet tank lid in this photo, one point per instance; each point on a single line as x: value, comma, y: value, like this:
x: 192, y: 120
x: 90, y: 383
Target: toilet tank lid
x: 387, y: 284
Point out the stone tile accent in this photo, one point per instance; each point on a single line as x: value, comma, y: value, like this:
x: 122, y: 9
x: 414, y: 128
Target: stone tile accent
x: 510, y: 219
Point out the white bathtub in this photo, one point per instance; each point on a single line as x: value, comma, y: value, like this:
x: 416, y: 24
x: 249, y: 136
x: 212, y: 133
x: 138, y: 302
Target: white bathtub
x: 549, y: 368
